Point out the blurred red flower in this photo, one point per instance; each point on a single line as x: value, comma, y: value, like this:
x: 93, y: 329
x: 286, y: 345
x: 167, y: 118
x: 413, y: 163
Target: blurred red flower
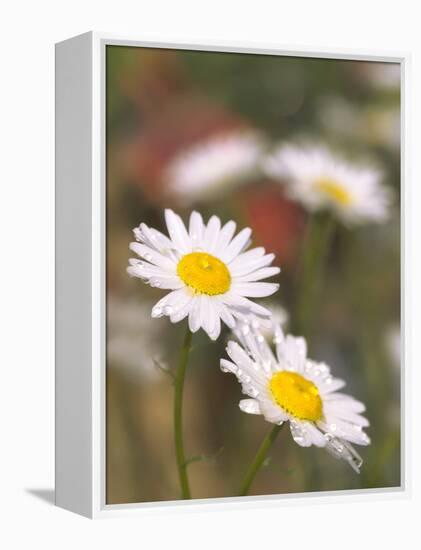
x: 277, y: 222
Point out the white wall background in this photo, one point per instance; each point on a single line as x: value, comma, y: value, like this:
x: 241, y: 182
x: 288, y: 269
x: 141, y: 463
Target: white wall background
x: 29, y: 30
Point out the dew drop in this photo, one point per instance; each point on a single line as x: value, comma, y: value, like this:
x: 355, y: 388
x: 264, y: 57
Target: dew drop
x: 252, y: 391
x: 156, y: 312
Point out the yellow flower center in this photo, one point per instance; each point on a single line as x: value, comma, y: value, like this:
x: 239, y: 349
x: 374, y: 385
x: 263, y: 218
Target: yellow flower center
x: 204, y: 273
x: 333, y: 190
x: 296, y: 395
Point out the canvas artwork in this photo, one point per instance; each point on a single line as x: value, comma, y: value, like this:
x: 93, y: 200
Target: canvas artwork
x: 252, y: 275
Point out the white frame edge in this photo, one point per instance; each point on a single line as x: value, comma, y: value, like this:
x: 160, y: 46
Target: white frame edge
x: 80, y: 279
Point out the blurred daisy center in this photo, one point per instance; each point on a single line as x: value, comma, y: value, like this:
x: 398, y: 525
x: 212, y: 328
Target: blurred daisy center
x: 204, y: 273
x: 333, y: 190
x: 296, y: 395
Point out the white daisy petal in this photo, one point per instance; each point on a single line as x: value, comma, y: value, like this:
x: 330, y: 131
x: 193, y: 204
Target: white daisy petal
x: 154, y: 238
x: 225, y: 237
x: 207, y: 315
x: 246, y: 365
x: 345, y: 401
x: 194, y: 316
x: 175, y: 299
x: 244, y: 305
x: 177, y: 231
x: 300, y: 434
x: 315, y: 434
x: 182, y: 311
x: 339, y: 448
x: 166, y: 282
x: 211, y: 236
x: 226, y: 315
x: 153, y: 257
x: 272, y: 412
x: 263, y: 273
x: 196, y: 229
x: 250, y: 406
x: 238, y: 269
x: 216, y: 327
x: 236, y: 246
x: 292, y: 353
x: 255, y: 290
x: 246, y: 257
x: 344, y: 430
x: 330, y: 385
x: 228, y: 366
x: 345, y: 413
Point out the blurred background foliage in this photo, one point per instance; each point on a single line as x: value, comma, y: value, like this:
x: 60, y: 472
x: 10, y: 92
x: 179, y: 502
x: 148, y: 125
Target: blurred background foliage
x: 160, y: 102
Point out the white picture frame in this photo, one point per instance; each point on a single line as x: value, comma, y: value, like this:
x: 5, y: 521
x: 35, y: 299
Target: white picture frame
x: 80, y: 278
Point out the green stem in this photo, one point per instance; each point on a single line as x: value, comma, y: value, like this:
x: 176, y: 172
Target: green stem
x: 259, y: 459
x: 316, y: 247
x: 178, y: 414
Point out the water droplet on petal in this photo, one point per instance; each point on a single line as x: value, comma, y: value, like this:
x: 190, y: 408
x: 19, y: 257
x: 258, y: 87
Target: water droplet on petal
x: 157, y: 312
x: 252, y: 391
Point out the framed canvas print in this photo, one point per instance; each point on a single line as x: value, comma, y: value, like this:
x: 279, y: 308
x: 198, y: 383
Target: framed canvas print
x: 229, y: 296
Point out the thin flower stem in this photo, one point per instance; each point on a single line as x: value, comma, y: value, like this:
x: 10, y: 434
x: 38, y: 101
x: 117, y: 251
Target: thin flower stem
x: 316, y: 247
x: 178, y: 414
x: 259, y: 459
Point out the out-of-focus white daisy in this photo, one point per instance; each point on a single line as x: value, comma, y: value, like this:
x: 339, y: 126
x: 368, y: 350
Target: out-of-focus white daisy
x: 215, y: 164
x: 209, y: 273
x: 133, y: 344
x: 319, y: 180
x: 286, y: 386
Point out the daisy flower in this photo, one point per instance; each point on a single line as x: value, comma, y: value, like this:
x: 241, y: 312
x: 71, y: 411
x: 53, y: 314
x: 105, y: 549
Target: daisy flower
x: 210, y: 274
x: 217, y: 163
x: 319, y: 180
x: 286, y: 386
